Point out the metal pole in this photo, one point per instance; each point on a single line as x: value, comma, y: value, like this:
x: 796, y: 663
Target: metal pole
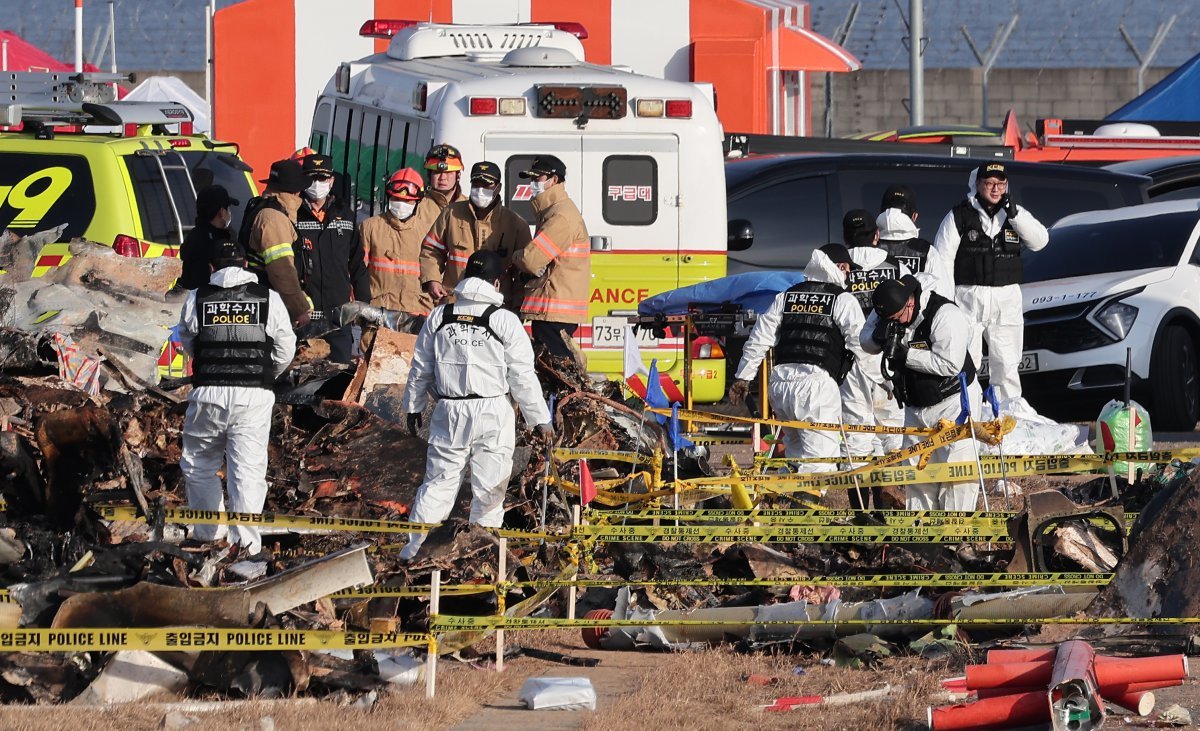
x: 839, y: 37
x: 1130, y: 416
x: 112, y: 36
x: 1144, y: 61
x: 78, y: 35
x: 4, y: 58
x: 978, y: 462
x: 572, y: 590
x: 209, y: 65
x: 988, y: 59
x: 916, y: 66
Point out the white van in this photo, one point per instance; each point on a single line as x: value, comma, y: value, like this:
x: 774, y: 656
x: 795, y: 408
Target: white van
x: 643, y: 155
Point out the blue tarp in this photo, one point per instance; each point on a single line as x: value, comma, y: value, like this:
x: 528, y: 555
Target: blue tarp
x: 1174, y: 99
x: 752, y: 291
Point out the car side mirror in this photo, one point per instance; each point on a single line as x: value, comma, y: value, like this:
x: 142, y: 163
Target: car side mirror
x: 741, y: 235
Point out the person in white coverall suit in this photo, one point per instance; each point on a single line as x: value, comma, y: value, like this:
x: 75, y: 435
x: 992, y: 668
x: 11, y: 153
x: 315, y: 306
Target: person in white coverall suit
x: 900, y: 237
x: 981, y: 240
x: 240, y: 338
x: 471, y: 355
x: 813, y: 328
x: 866, y: 394
x: 923, y: 337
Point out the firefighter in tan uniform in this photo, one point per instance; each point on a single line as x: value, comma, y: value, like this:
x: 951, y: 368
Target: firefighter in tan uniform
x: 393, y: 243
x: 476, y: 224
x: 443, y: 169
x: 557, y: 262
x: 271, y: 235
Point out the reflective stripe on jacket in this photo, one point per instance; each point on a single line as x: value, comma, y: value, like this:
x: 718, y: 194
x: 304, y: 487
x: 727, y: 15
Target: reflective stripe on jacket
x: 560, y: 257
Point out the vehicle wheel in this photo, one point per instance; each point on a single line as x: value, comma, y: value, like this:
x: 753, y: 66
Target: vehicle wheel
x: 1175, y: 381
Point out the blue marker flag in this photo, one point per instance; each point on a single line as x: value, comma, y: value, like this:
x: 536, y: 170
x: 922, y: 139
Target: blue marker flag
x: 989, y: 393
x: 963, y: 400
x: 678, y: 441
x: 655, y: 396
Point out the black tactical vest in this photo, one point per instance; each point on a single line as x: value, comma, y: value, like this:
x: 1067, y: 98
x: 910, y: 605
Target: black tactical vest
x: 450, y: 319
x: 862, y: 282
x: 233, y: 347
x: 925, y: 389
x: 912, y: 253
x: 808, y: 333
x: 984, y: 260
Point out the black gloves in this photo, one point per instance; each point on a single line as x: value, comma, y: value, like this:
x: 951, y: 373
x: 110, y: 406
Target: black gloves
x: 1009, y: 206
x: 895, y: 352
x: 414, y: 423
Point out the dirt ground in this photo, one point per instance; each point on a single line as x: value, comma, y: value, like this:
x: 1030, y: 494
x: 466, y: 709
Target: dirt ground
x: 685, y: 690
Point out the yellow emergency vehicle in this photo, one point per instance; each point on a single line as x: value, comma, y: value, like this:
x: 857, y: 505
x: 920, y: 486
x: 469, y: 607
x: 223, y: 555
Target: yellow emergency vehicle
x: 118, y: 173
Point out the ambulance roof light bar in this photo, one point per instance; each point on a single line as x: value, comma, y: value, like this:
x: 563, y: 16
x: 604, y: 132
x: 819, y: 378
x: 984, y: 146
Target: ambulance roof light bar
x: 415, y: 40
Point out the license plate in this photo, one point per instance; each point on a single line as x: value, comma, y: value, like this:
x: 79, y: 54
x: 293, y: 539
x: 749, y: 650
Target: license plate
x: 609, y: 333
x: 1029, y: 364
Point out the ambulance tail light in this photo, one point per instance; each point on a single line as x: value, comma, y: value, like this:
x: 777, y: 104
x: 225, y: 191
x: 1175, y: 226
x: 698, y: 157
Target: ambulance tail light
x: 649, y: 108
x: 186, y: 128
x: 514, y: 107
x: 679, y: 108
x: 384, y: 28
x: 483, y: 106
x: 704, y: 347
x: 127, y: 246
x: 181, y: 143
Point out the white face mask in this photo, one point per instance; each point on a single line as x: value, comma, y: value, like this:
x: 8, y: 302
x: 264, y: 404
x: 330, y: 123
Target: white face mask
x: 223, y: 218
x: 319, y: 190
x: 537, y: 187
x: 482, y: 197
x: 401, y: 209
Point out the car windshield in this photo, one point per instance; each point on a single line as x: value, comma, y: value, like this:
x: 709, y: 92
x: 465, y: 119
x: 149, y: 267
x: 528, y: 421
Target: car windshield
x: 1112, y: 246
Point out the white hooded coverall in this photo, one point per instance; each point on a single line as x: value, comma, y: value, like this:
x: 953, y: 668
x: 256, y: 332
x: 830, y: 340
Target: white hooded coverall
x: 997, y: 311
x: 802, y: 391
x: 866, y: 397
x: 472, y: 374
x: 949, y: 335
x: 231, y: 423
x: 896, y: 225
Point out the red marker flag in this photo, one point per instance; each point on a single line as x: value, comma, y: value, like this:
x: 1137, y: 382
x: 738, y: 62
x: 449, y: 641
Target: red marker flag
x: 587, y: 486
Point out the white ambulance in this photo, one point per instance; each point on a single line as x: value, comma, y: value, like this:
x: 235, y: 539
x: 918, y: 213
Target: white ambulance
x: 643, y: 155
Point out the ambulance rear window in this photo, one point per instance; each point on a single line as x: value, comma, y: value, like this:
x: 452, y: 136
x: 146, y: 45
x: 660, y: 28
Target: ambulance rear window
x: 166, y: 200
x: 39, y: 192
x: 630, y: 189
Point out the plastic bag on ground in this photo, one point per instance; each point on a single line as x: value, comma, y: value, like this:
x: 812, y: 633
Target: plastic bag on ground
x: 558, y: 694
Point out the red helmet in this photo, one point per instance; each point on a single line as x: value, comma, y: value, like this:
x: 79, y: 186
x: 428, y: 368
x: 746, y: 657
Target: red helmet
x: 302, y: 153
x: 444, y: 159
x: 405, y: 185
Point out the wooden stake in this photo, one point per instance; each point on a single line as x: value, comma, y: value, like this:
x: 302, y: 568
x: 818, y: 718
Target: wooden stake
x: 501, y: 573
x: 435, y: 600
x: 571, y: 591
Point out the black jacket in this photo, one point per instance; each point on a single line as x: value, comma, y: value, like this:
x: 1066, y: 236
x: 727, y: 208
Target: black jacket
x: 197, y: 251
x: 329, y: 256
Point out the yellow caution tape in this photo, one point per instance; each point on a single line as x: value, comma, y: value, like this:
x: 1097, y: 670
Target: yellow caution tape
x: 358, y: 525
x: 370, y: 592
x: 564, y: 455
x: 163, y: 639
x: 852, y: 580
x: 1099, y: 460
x: 788, y: 534
x: 984, y: 519
x: 443, y: 622
x: 707, y: 417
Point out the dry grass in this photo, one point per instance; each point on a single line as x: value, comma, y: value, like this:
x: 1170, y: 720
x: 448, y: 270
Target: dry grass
x: 705, y: 690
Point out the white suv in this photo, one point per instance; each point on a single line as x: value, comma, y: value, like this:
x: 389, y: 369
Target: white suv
x: 1111, y: 280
